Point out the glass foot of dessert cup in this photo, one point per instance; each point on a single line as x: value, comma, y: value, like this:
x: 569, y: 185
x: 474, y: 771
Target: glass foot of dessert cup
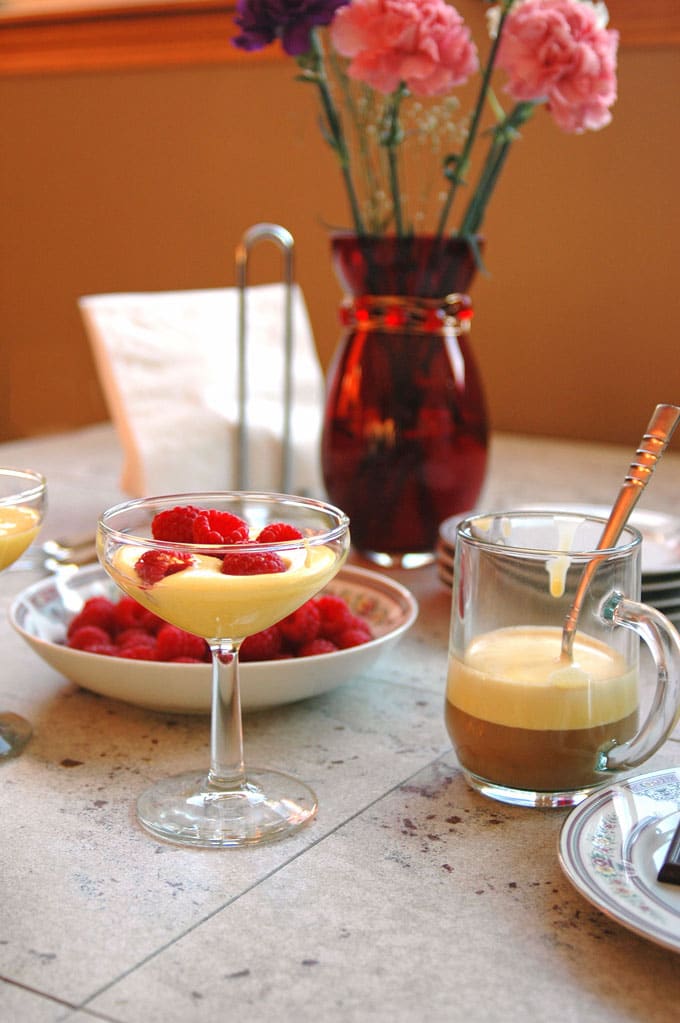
x: 15, y: 732
x: 525, y: 797
x: 190, y: 810
x: 416, y: 559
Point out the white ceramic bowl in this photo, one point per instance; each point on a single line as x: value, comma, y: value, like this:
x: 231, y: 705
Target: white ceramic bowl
x: 41, y: 614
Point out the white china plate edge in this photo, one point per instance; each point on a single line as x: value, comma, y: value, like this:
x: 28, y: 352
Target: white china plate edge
x: 611, y: 848
x: 660, y: 535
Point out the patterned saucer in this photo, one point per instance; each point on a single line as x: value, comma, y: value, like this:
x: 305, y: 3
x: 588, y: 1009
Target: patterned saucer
x: 612, y: 846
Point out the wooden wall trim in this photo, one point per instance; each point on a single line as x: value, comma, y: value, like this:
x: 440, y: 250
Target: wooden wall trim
x: 169, y: 34
x: 148, y: 35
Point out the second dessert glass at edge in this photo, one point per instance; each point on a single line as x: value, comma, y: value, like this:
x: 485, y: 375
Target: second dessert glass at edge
x: 23, y: 501
x: 226, y: 805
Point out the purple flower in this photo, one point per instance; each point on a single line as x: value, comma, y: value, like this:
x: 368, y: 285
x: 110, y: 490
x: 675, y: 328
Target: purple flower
x: 291, y: 21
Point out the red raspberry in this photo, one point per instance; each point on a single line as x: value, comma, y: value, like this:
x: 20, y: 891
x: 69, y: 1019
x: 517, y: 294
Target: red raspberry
x: 133, y: 635
x: 352, y: 637
x: 169, y: 643
x: 138, y: 652
x: 317, y: 646
x: 302, y: 626
x: 175, y: 524
x: 129, y: 614
x: 87, y: 636
x: 99, y: 611
x: 150, y: 622
x: 261, y: 646
x: 155, y: 565
x: 253, y: 563
x: 147, y: 643
x: 219, y: 527
x: 103, y: 649
x: 335, y: 615
x: 360, y: 623
x: 277, y: 531
x: 173, y: 642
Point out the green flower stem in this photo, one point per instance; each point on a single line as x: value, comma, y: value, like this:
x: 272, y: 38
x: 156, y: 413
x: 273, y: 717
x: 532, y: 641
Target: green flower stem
x: 494, y: 164
x: 336, y: 135
x: 462, y: 163
x: 503, y: 136
x: 391, y: 139
x: 365, y: 162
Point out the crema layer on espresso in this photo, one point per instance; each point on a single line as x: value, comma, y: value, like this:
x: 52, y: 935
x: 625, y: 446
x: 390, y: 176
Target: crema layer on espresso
x: 517, y: 677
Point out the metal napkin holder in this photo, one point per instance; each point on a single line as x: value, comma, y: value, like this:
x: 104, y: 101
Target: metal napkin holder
x: 284, y: 241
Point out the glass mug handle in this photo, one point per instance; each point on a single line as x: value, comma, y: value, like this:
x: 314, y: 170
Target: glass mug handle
x: 663, y: 643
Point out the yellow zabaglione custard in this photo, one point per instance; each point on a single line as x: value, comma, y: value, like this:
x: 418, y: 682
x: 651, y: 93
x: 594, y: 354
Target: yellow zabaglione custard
x: 203, y: 600
x: 514, y: 677
x: 18, y: 529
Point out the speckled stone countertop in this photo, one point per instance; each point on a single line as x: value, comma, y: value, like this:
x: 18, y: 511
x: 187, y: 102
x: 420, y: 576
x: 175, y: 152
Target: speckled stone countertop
x: 409, y: 898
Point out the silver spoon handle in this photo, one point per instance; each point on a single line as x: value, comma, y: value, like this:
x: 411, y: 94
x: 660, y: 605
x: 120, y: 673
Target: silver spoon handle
x: 653, y: 444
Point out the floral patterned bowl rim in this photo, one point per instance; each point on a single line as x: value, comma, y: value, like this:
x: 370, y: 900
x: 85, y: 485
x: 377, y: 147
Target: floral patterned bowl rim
x: 41, y: 612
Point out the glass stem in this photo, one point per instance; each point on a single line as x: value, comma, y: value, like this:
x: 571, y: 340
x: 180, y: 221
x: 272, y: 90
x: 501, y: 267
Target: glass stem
x: 227, y: 769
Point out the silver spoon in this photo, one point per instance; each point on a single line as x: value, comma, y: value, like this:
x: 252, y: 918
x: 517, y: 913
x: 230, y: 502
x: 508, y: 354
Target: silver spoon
x: 652, y: 446
x: 79, y: 550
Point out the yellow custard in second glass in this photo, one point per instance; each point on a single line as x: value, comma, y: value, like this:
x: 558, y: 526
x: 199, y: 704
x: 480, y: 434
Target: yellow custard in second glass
x: 203, y: 600
x: 18, y: 529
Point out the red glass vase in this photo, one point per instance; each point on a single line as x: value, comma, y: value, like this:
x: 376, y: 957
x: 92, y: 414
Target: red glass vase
x: 404, y: 442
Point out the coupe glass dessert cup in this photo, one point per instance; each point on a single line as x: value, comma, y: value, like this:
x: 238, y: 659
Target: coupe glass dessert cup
x: 23, y: 499
x: 224, y: 592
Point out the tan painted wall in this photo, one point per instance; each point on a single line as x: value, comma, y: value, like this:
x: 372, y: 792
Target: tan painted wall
x: 147, y: 179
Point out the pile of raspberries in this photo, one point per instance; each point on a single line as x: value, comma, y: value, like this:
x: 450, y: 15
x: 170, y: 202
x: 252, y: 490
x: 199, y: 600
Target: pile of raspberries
x: 187, y: 524
x: 126, y: 629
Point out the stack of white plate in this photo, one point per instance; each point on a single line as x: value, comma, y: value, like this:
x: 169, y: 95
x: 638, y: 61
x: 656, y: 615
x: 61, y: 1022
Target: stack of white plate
x: 446, y: 546
x: 660, y: 552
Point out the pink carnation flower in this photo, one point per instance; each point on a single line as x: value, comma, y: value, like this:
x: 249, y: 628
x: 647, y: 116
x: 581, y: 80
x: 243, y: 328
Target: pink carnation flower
x: 424, y: 43
x: 560, y: 51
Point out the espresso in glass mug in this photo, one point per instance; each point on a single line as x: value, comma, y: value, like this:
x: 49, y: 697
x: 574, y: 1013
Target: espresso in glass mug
x: 531, y: 724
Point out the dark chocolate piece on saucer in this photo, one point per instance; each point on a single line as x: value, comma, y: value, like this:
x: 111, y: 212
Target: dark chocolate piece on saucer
x: 670, y: 869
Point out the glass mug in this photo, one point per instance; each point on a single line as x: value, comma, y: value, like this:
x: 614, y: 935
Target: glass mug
x: 530, y: 725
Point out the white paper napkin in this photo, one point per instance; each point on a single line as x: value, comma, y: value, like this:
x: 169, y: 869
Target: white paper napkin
x: 168, y: 366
